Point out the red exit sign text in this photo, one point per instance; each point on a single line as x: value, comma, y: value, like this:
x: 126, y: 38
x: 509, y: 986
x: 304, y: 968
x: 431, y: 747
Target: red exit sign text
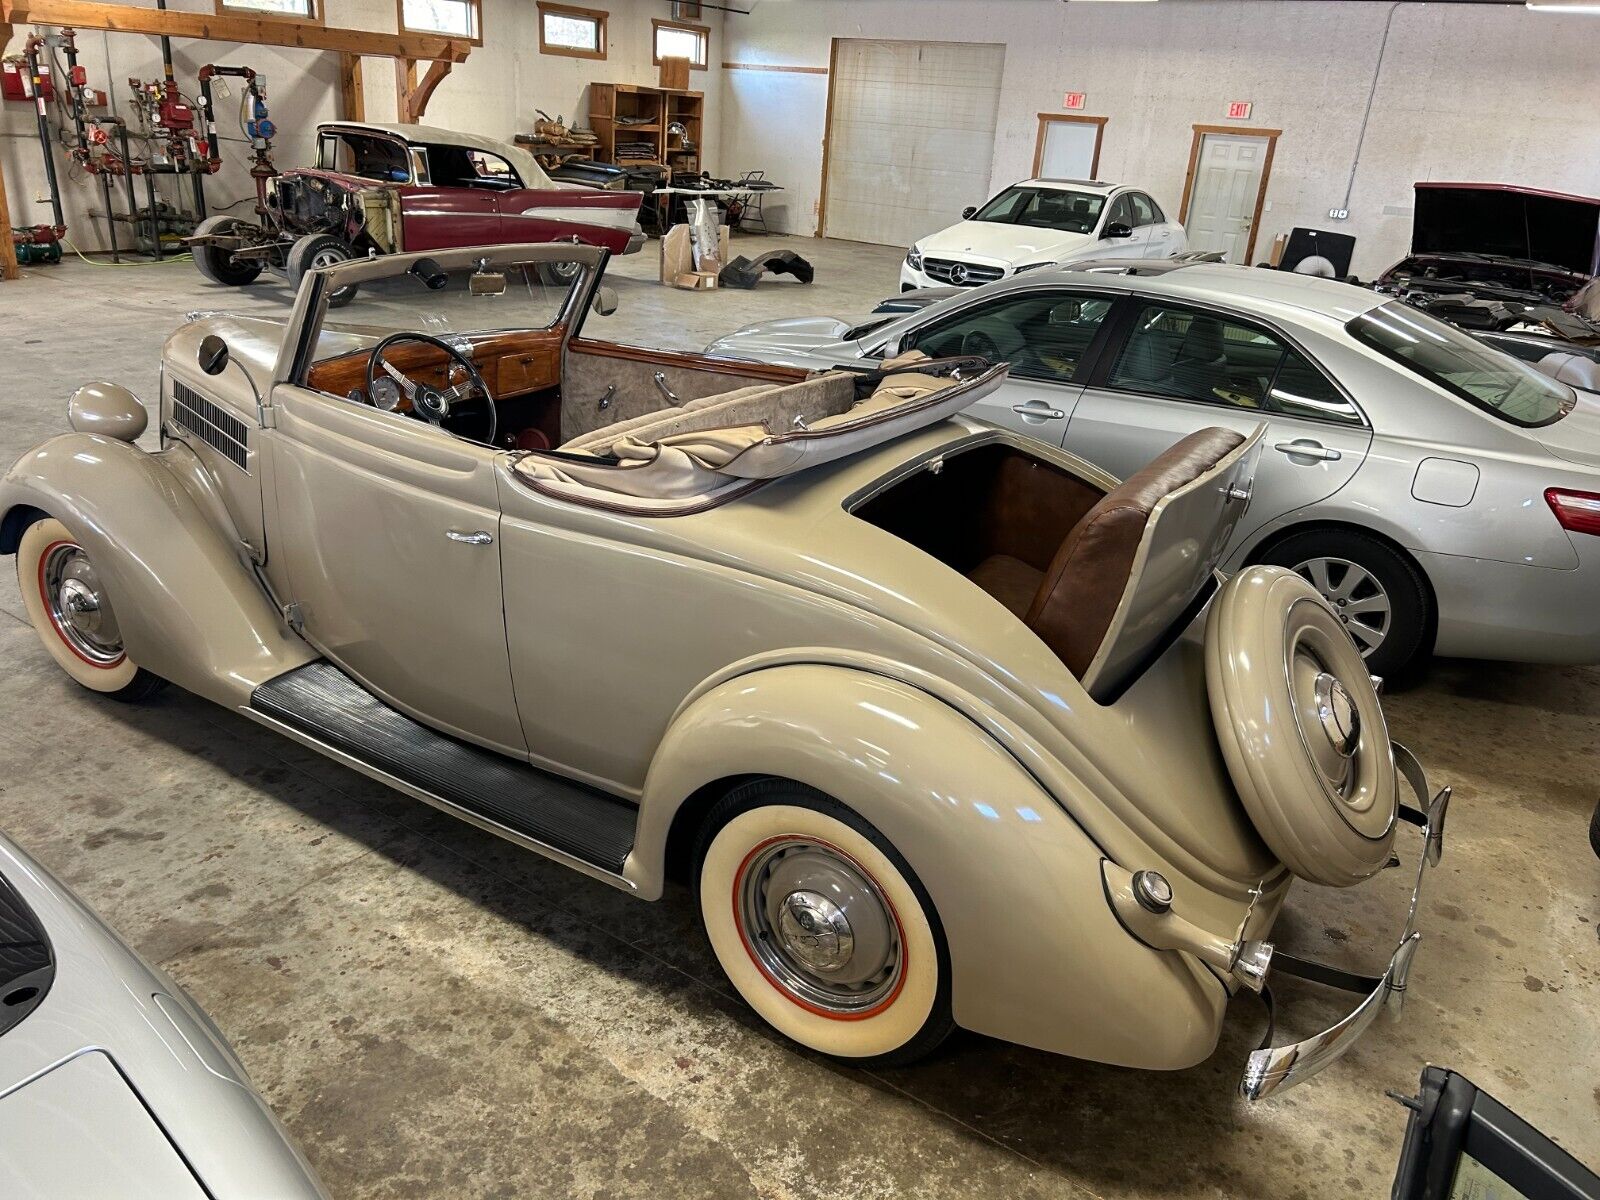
x: 1074, y: 99
x: 1238, y: 110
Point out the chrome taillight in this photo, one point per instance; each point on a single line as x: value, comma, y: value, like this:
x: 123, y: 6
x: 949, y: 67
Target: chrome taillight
x: 1578, y: 512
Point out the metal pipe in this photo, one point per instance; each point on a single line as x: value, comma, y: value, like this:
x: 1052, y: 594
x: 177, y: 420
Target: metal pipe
x: 111, y: 217
x: 32, y: 50
x: 155, y: 218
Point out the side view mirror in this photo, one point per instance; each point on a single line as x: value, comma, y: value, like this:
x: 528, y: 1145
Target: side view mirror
x: 968, y: 211
x: 1118, y: 230
x: 431, y: 274
x: 605, y: 301
x: 213, y: 354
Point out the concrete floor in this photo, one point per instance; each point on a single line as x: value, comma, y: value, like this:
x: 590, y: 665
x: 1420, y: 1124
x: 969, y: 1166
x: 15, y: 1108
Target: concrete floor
x: 437, y: 1014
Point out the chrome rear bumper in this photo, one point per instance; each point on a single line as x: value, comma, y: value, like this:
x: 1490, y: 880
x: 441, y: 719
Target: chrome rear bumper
x: 1274, y: 1068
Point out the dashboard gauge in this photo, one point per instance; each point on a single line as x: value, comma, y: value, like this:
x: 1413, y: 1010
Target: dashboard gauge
x: 385, y: 394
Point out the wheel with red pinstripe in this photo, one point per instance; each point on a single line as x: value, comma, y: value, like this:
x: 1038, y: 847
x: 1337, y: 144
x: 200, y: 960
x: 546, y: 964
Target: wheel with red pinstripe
x: 70, y: 611
x: 822, y: 925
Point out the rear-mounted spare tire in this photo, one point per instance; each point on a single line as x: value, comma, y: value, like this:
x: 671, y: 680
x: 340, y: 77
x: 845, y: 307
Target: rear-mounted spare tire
x: 1301, y: 727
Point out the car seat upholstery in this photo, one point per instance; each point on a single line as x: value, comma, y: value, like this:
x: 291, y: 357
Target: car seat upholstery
x: 1072, y: 603
x: 1200, y: 365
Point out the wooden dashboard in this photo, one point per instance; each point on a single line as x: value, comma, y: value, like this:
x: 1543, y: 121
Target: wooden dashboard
x: 512, y: 364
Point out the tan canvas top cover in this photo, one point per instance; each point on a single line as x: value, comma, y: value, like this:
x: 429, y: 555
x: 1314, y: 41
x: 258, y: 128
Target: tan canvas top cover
x: 683, y: 457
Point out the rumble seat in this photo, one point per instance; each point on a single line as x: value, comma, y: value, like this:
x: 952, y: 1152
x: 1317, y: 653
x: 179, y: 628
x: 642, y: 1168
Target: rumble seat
x: 1071, y: 604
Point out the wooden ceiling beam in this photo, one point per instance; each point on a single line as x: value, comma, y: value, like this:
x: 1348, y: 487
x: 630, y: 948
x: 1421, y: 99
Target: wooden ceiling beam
x: 123, y: 18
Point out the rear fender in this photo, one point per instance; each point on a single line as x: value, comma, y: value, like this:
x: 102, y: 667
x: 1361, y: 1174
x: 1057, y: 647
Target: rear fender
x: 190, y: 608
x: 1037, y: 956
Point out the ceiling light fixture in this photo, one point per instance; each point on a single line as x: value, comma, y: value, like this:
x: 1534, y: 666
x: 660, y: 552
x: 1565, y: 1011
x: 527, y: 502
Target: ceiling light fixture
x: 1564, y: 6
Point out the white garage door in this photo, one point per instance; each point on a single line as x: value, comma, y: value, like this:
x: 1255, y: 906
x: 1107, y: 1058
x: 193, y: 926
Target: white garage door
x: 911, y: 136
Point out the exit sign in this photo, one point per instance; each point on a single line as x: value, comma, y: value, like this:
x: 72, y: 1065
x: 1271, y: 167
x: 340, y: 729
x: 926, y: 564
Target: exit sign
x: 1074, y: 99
x: 1238, y: 110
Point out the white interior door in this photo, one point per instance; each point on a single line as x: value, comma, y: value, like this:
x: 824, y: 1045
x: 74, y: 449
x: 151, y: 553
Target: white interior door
x: 1068, y: 150
x: 910, y: 138
x: 1227, y: 179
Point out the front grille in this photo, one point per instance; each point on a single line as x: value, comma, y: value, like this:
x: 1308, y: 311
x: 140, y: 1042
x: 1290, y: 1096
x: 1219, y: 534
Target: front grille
x: 972, y: 274
x: 212, y: 425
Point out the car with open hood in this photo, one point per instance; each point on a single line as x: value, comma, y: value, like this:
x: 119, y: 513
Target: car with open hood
x: 391, y: 188
x: 1441, y: 494
x: 1042, y: 223
x: 1490, y: 255
x: 941, y: 725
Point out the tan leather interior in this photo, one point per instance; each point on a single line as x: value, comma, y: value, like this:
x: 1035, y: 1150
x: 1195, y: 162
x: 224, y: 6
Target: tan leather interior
x: 1088, y: 575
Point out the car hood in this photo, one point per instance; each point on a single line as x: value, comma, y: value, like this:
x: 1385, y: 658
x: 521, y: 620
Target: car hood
x: 1012, y: 245
x: 1507, y: 222
x: 1576, y: 436
x: 773, y: 339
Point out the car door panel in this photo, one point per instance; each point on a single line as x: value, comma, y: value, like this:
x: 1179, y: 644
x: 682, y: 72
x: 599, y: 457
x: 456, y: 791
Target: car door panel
x: 395, y: 567
x: 1172, y: 370
x: 436, y: 218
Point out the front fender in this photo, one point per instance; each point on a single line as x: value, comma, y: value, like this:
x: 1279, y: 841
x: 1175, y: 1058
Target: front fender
x: 1037, y: 956
x: 189, y: 607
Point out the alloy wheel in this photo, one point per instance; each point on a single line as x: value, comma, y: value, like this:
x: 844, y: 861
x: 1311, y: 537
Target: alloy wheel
x: 1358, y: 599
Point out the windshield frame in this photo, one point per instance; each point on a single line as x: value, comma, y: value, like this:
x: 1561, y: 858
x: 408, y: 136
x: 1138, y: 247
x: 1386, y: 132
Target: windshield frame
x: 1359, y: 328
x: 1039, y: 189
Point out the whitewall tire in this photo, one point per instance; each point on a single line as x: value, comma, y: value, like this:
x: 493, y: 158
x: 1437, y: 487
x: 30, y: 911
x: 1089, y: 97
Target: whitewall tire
x: 68, y: 607
x: 822, y: 927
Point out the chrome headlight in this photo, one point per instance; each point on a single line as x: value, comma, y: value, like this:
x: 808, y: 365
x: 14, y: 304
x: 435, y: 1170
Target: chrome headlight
x: 1033, y: 267
x: 914, y: 259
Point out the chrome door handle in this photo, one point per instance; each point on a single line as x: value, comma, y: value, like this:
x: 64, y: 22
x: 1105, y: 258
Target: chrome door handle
x: 1308, y: 450
x: 1038, y: 411
x: 479, y: 537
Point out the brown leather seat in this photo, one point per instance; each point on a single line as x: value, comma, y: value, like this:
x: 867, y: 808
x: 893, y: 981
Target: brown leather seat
x: 1079, y: 594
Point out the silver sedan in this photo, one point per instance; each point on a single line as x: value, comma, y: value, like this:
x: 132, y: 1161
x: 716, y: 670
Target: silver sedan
x: 1443, y: 495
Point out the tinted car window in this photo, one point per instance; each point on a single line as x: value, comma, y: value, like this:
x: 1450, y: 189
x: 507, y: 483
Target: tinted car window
x: 1197, y: 356
x: 1044, y: 208
x: 1144, y: 212
x: 1043, y: 335
x: 1121, y: 213
x: 1464, y: 366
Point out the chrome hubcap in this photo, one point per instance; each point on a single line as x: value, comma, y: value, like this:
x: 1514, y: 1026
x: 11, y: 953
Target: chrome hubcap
x: 329, y: 258
x: 819, y: 927
x: 78, y: 607
x: 1358, y: 599
x: 1336, y: 713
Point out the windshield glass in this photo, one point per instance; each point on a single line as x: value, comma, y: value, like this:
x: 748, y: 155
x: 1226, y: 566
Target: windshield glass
x: 1459, y: 363
x: 1044, y: 208
x: 460, y: 304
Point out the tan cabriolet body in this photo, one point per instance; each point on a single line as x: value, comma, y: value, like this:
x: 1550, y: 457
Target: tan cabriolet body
x: 669, y: 577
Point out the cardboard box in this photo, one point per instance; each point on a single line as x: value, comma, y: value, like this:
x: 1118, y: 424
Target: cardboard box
x: 696, y: 281
x: 677, y: 258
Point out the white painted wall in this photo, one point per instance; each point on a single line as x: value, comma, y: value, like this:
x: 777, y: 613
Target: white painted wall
x: 495, y: 92
x: 1466, y: 92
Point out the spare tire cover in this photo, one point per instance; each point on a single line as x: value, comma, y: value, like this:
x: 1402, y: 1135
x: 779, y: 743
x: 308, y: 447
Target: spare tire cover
x: 1301, y: 727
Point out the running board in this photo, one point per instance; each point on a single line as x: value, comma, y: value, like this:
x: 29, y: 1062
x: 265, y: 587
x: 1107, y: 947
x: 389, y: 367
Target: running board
x: 324, y: 704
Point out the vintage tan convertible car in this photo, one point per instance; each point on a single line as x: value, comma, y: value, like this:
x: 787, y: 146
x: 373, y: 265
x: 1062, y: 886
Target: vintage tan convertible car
x: 944, y: 727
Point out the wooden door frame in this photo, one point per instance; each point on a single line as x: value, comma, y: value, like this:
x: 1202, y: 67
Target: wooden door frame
x: 827, y: 140
x: 1200, y: 131
x: 1045, y: 120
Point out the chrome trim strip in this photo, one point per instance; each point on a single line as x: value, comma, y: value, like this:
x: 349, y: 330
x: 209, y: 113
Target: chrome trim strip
x: 1275, y: 1068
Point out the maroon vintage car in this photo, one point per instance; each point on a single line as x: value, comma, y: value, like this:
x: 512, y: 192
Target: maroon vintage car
x: 393, y: 188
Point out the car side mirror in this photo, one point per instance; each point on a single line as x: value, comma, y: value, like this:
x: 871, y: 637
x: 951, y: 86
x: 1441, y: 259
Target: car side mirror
x: 968, y: 211
x: 213, y: 354
x: 1118, y: 230
x: 605, y: 301
x: 431, y: 274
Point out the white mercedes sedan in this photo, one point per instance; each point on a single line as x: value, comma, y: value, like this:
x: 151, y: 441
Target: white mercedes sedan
x: 1042, y: 223
x: 1444, y: 496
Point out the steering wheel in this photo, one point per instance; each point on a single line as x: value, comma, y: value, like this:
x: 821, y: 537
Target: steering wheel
x: 433, y: 404
x: 980, y: 345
